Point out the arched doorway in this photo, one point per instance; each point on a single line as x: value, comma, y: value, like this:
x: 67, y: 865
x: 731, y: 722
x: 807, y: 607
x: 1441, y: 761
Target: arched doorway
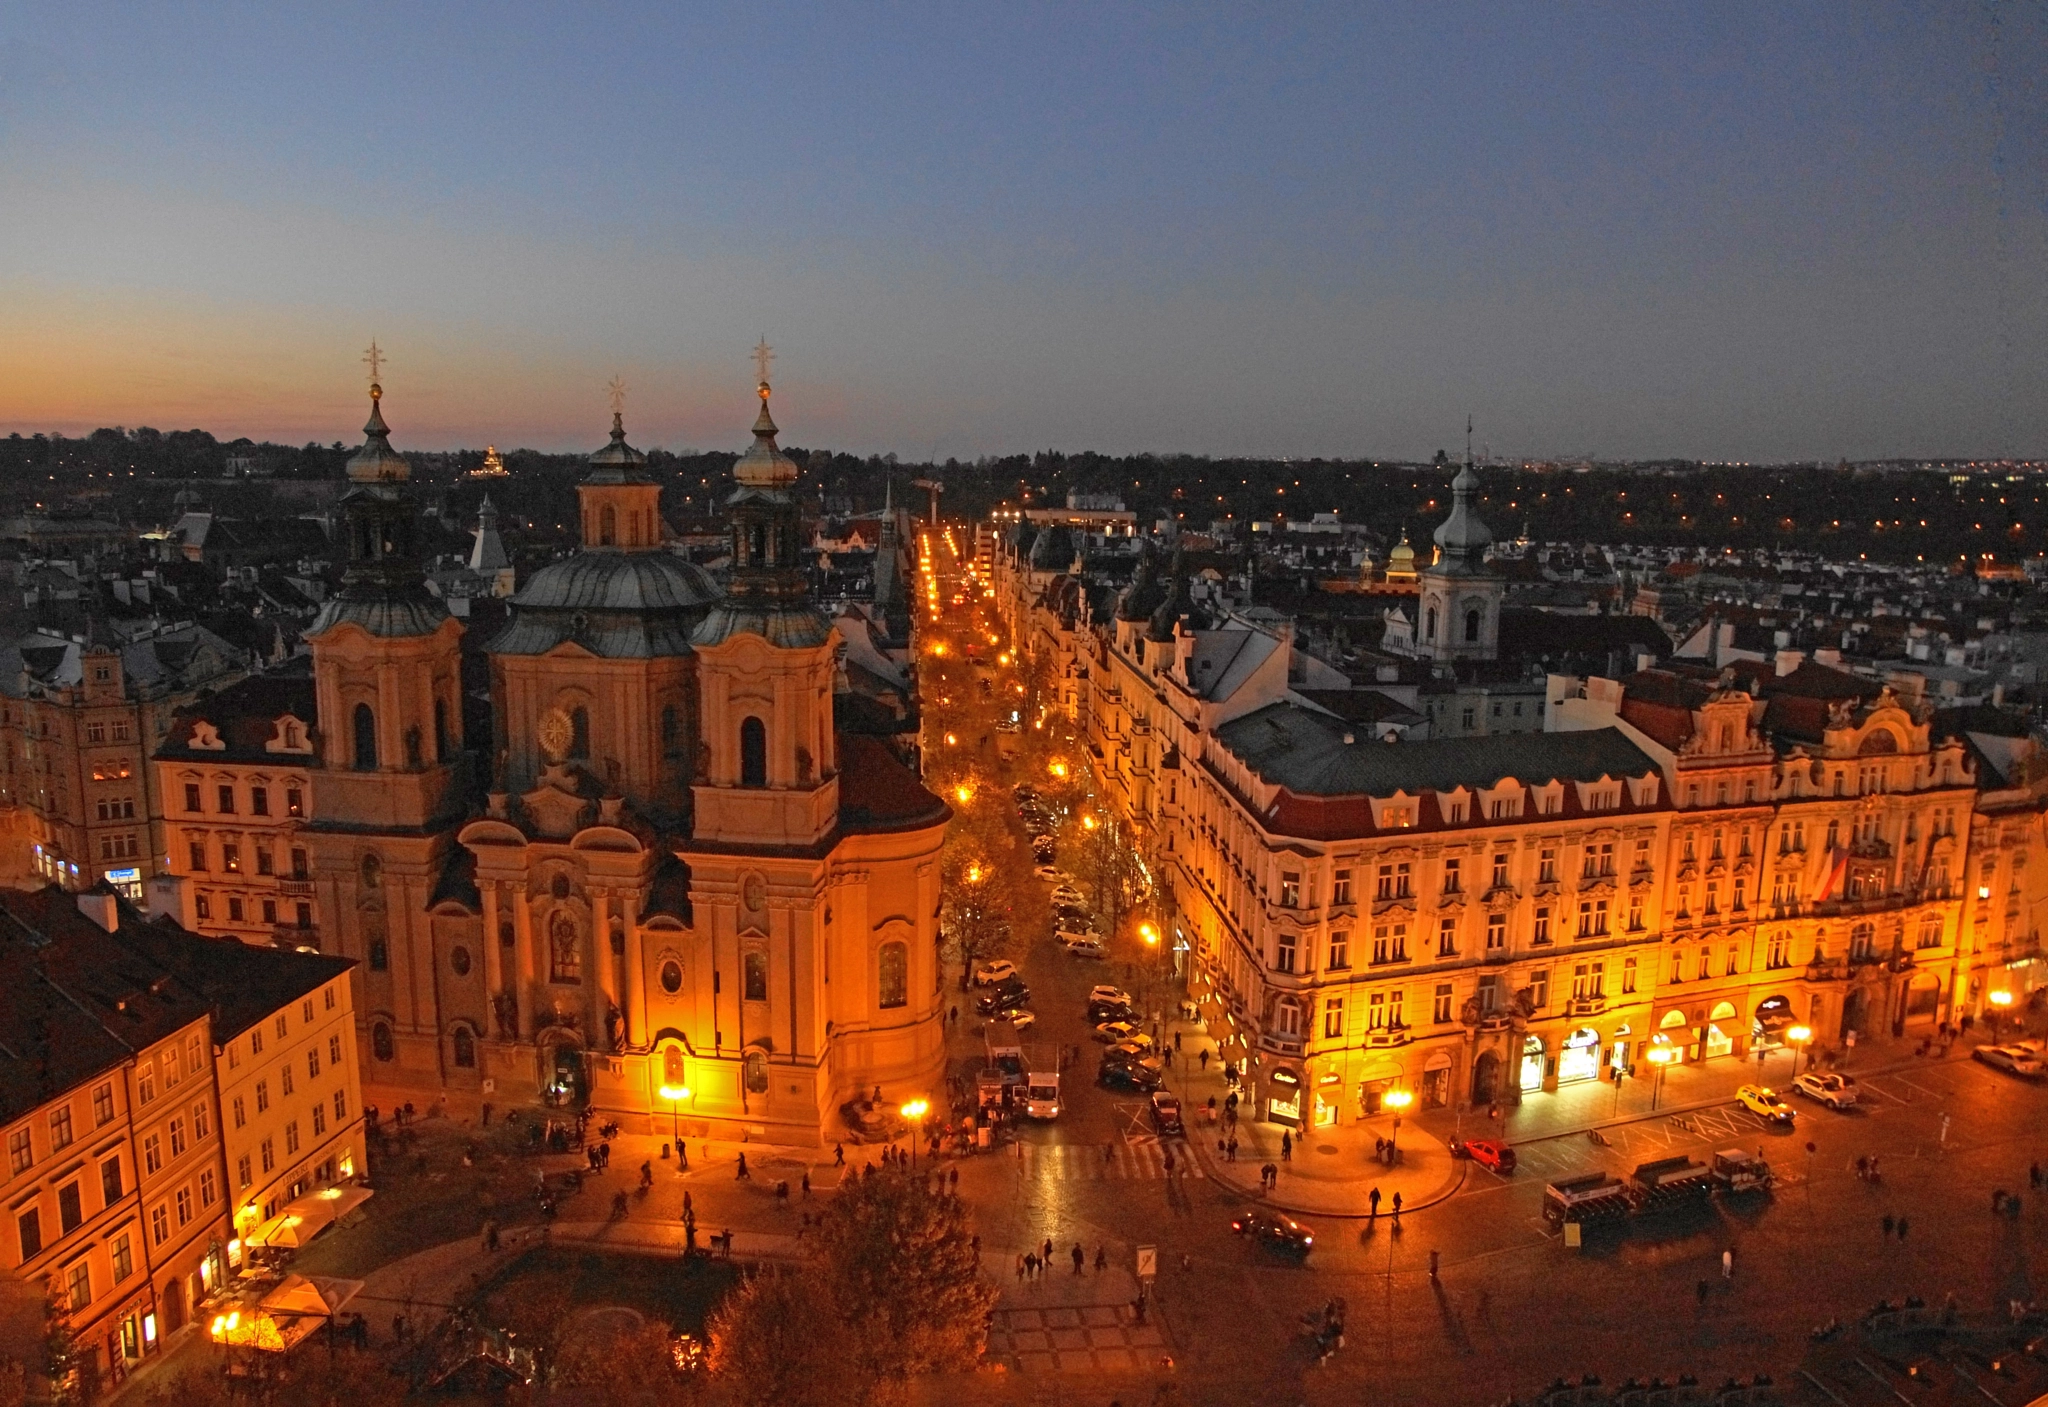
x: 1923, y: 999
x: 1485, y: 1077
x: 1773, y: 1018
x: 564, y: 1079
x: 1856, y: 1013
x: 1721, y: 1030
x: 1672, y: 1031
x: 174, y: 1304
x: 1580, y: 1057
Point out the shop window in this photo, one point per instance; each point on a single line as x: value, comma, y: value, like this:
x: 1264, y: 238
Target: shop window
x: 892, y: 984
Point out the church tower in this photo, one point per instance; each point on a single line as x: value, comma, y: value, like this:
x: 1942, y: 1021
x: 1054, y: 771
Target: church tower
x: 1460, y: 607
x: 768, y: 769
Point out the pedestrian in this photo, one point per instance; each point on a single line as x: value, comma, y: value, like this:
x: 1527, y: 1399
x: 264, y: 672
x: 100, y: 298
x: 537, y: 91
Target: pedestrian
x: 1232, y: 1146
x: 1702, y: 1292
x: 1204, y: 1058
x: 689, y: 1212
x: 1176, y: 1040
x: 1397, y: 1206
x: 1046, y: 1254
x: 1031, y: 1265
x: 1372, y: 1200
x: 838, y: 1155
x: 953, y: 1180
x: 1080, y: 1257
x: 1187, y: 1263
x: 1101, y: 1258
x: 1728, y: 1264
x: 1140, y: 1306
x: 1286, y: 1147
x: 1888, y: 1223
x: 1167, y: 1160
x: 807, y: 1182
x: 1902, y: 1228
x: 1020, y: 1268
x: 742, y: 1174
x: 953, y: 1015
x: 2034, y: 1176
x: 1432, y: 1265
x: 1997, y: 1200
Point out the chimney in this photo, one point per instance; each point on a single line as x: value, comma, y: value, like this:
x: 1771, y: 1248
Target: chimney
x: 1789, y: 660
x: 103, y: 907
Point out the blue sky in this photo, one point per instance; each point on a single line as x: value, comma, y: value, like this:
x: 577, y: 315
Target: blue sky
x: 1723, y: 231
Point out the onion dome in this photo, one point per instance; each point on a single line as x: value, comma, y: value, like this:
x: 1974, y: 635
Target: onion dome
x: 377, y: 462
x: 1463, y: 538
x: 618, y: 462
x: 764, y: 466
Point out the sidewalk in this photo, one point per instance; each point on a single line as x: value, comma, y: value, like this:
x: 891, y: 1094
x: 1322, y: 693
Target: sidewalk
x: 1332, y: 1171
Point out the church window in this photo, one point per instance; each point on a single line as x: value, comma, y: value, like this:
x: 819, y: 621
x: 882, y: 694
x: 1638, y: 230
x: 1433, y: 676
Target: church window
x: 756, y: 974
x: 618, y: 939
x: 671, y: 978
x: 366, y: 738
x: 1429, y: 631
x: 757, y: 1072
x: 1471, y: 627
x: 458, y: 959
x: 441, y: 741
x: 380, y: 955
x: 565, y: 953
x: 380, y: 1042
x: 892, y: 985
x: 465, y: 1048
x: 753, y: 753
x: 671, y: 731
x: 579, y: 732
x: 507, y: 934
x: 674, y: 1073
x: 607, y: 527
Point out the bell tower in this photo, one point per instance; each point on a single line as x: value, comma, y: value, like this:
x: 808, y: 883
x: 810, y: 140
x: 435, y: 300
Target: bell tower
x: 1459, y: 611
x: 386, y: 657
x: 619, y: 503
x: 767, y: 765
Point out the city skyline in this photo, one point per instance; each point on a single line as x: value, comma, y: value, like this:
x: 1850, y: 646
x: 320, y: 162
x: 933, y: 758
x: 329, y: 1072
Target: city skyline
x: 1334, y: 233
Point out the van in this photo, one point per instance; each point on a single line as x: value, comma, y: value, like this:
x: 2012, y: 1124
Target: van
x: 1042, y: 1097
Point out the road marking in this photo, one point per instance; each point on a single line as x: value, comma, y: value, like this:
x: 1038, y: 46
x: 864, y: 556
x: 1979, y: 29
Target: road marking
x: 1129, y: 1161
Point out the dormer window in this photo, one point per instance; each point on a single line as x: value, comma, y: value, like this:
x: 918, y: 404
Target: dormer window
x: 207, y: 738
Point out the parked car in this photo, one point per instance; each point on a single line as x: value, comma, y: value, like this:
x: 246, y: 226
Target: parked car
x: 1067, y: 894
x: 1050, y: 875
x: 1490, y: 1153
x: 2013, y: 1059
x: 1099, y: 1012
x: 1761, y: 1099
x: 1102, y: 992
x: 990, y: 973
x: 1139, y: 1048
x: 1003, y: 999
x: 1272, y: 1230
x: 1113, y: 1032
x: 1835, y: 1091
x: 1166, y: 1113
x: 1083, y: 948
x: 1128, y: 1075
x: 1023, y: 1020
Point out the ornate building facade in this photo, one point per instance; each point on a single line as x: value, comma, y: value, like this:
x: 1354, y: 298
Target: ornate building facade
x: 681, y: 893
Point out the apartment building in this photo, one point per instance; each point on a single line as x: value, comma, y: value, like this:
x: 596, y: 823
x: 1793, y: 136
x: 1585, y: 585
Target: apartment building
x: 78, y: 719
x: 236, y: 774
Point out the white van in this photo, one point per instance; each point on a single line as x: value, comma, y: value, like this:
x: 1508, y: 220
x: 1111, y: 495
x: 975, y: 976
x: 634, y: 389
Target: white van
x: 1042, y: 1097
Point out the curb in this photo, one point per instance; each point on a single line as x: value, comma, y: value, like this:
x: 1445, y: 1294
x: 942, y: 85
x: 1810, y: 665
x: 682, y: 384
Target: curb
x: 1443, y: 1193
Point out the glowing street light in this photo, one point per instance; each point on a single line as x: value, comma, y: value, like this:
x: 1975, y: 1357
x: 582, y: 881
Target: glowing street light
x: 1149, y: 932
x: 1087, y: 823
x: 675, y: 1095
x: 915, y: 1111
x: 1798, y: 1036
x: 963, y: 793
x: 2001, y: 1002
x: 1661, y: 1056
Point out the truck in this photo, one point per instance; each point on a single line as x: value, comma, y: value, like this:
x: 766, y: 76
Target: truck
x: 1667, y: 1181
x: 1042, y: 1095
x: 1588, y: 1197
x: 1739, y: 1170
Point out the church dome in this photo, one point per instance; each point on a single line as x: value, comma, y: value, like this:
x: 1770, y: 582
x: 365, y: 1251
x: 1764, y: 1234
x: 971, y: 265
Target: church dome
x: 1463, y: 537
x: 386, y: 615
x: 620, y: 605
x: 764, y: 466
x: 377, y: 462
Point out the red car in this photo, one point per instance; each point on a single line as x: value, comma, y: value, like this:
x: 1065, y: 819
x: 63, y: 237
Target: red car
x: 1491, y: 1153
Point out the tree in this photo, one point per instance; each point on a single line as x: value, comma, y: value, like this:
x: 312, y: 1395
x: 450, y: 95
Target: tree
x: 781, y: 1340
x: 636, y: 1368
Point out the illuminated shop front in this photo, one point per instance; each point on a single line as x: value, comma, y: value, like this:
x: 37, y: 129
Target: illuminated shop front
x: 1532, y: 1064
x: 1283, y: 1096
x: 1580, y: 1058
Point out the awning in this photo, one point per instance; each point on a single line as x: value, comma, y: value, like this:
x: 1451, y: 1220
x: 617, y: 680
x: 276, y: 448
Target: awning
x: 284, y: 1317
x: 307, y: 1217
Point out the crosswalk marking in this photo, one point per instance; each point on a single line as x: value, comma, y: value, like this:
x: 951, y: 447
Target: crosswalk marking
x: 1140, y: 1157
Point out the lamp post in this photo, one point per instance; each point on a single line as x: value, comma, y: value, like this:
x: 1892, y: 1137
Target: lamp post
x: 915, y: 1111
x: 675, y: 1095
x: 1660, y: 1056
x: 1396, y: 1100
x: 1798, y: 1036
x: 2001, y: 1002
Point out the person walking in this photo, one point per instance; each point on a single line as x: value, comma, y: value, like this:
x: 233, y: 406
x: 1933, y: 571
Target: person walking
x: 1176, y: 1040
x: 1888, y: 1223
x: 807, y: 1182
x: 1080, y: 1257
x: 1728, y: 1264
x: 1397, y: 1207
x: 742, y: 1175
x: 1101, y: 1258
x: 1046, y: 1254
x: 838, y: 1155
x: 1204, y: 1058
x: 1372, y: 1199
x: 1020, y: 1269
x: 1286, y: 1147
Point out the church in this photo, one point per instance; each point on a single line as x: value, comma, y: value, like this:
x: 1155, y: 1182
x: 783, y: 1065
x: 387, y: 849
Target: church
x: 667, y: 885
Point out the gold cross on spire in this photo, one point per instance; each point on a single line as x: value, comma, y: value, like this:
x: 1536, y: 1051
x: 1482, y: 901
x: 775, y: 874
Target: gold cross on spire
x: 617, y: 392
x: 373, y: 359
x: 763, y: 354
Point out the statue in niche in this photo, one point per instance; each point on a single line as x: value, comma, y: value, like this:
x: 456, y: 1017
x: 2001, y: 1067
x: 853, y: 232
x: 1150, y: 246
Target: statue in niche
x: 614, y: 1028
x: 505, y: 1007
x: 803, y: 766
x: 703, y: 762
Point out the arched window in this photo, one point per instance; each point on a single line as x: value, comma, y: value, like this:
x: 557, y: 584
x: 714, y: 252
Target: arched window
x: 380, y: 1042
x: 753, y: 753
x: 607, y: 527
x: 1429, y: 630
x: 671, y: 731
x: 757, y: 1072
x: 565, y: 952
x: 465, y: 1048
x: 579, y: 732
x: 1471, y: 627
x: 674, y: 1072
x: 366, y: 738
x: 892, y: 976
x: 441, y: 739
x: 755, y: 971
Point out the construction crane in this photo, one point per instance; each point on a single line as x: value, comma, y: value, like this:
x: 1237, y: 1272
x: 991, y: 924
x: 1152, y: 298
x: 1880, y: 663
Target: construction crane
x: 934, y: 488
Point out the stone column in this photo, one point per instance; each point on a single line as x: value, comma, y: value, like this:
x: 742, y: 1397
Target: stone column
x: 494, y: 955
x: 522, y: 960
x: 605, y: 993
x: 633, y: 981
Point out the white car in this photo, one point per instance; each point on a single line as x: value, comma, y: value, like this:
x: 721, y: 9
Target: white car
x: 990, y: 973
x: 1051, y: 875
x: 1022, y: 1020
x: 1835, y: 1091
x: 1067, y: 894
x: 1079, y: 947
x: 1107, y: 993
x: 2013, y: 1059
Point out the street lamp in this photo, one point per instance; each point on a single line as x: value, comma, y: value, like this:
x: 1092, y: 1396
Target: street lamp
x: 963, y: 793
x: 2001, y: 1002
x: 915, y: 1111
x: 1396, y: 1100
x: 1798, y: 1036
x: 1660, y: 1056
x: 675, y: 1095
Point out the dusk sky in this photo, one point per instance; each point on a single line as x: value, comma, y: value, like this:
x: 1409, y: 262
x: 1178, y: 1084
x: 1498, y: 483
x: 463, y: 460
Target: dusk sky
x: 1721, y: 231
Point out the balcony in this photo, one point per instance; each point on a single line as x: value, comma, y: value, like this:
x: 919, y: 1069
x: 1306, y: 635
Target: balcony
x: 1282, y: 1042
x: 1386, y: 1037
x: 295, y: 888
x: 1585, y: 1006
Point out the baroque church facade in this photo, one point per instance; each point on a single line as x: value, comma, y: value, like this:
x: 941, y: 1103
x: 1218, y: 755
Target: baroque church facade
x: 682, y: 894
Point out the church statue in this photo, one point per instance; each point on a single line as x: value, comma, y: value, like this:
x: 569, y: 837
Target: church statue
x: 614, y: 1028
x: 506, y: 1008
x: 703, y: 762
x: 803, y: 766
